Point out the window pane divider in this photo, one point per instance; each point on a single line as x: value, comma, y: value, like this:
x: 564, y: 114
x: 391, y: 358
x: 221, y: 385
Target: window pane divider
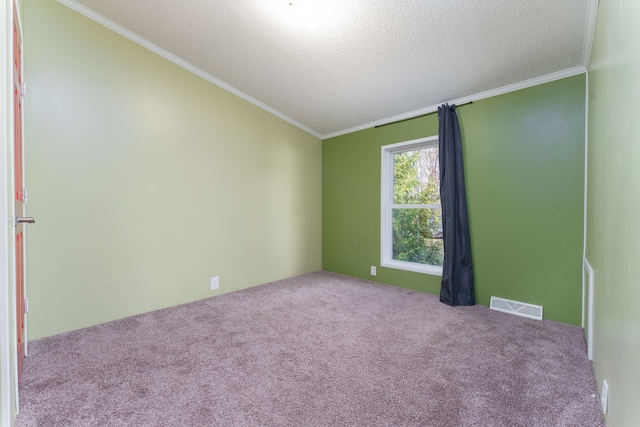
x: 416, y: 206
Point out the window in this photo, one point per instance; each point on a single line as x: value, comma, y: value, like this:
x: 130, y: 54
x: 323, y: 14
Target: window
x: 411, y: 217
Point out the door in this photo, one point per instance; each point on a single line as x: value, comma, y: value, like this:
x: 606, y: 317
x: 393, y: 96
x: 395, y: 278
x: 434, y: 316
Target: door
x: 18, y: 180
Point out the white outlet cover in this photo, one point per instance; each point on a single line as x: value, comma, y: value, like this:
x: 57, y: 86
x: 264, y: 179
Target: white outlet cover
x: 604, y: 396
x: 373, y: 270
x: 215, y: 283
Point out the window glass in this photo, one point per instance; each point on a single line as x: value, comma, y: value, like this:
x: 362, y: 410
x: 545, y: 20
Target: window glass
x: 411, y: 229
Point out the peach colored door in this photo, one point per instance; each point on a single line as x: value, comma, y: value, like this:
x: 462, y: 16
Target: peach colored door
x: 19, y: 188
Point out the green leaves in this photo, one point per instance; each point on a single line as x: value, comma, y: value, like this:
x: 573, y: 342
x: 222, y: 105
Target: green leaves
x: 417, y: 232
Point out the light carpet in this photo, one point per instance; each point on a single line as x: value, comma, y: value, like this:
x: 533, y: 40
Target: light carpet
x: 316, y: 350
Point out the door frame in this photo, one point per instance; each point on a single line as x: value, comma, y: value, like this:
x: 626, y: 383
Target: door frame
x: 8, y: 336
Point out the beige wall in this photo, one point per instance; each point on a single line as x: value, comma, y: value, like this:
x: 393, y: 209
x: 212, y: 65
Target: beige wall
x: 613, y: 205
x: 146, y: 180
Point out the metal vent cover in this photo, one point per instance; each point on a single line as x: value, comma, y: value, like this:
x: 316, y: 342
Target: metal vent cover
x: 515, y: 307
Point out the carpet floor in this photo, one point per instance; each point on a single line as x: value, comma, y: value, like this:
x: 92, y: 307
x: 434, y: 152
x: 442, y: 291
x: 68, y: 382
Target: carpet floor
x: 316, y: 350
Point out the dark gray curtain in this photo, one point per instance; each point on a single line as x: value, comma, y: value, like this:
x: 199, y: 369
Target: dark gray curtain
x: 457, y: 268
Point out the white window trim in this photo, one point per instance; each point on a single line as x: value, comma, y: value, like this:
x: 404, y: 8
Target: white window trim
x: 386, y: 205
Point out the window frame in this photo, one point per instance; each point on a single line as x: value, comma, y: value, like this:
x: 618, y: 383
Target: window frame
x: 386, y: 206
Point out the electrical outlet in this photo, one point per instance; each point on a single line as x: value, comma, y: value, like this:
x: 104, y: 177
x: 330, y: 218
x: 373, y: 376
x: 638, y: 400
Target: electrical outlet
x: 215, y: 283
x: 604, y: 396
x: 373, y: 270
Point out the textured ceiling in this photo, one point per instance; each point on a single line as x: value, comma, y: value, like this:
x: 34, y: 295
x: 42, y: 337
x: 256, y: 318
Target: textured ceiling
x: 334, y: 65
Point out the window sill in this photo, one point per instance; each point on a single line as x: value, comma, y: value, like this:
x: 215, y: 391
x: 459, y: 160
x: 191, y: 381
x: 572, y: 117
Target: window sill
x: 433, y: 270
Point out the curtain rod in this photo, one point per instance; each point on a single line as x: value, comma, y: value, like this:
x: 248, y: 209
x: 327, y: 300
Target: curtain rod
x: 421, y: 115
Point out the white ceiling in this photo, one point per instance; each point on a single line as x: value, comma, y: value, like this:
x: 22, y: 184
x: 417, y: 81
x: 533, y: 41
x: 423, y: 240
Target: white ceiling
x: 332, y: 66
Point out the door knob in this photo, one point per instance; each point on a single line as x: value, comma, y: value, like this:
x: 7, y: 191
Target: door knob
x: 25, y: 220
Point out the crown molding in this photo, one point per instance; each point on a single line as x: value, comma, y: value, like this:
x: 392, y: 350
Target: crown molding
x: 569, y: 72
x: 589, y: 31
x: 94, y: 16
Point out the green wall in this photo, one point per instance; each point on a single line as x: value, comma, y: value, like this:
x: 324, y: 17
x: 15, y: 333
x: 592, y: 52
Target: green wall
x: 524, y: 164
x: 146, y: 180
x: 613, y: 205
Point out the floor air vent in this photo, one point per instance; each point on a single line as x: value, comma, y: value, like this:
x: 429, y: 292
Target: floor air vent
x: 518, y: 308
